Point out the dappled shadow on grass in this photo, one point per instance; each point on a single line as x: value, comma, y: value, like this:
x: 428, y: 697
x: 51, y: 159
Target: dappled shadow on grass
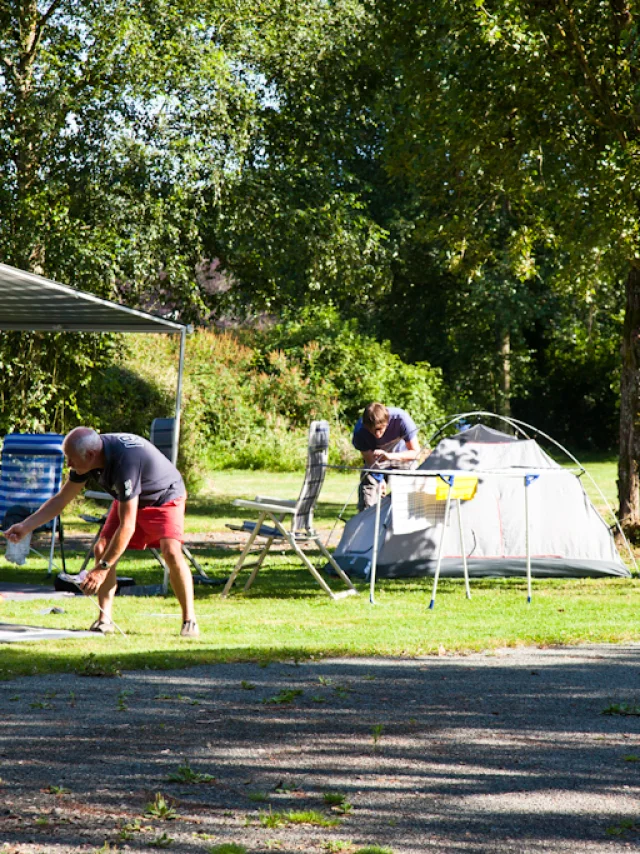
x: 284, y: 576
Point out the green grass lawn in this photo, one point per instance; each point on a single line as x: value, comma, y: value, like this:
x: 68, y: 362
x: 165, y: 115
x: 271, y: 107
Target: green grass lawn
x: 211, y: 510
x: 286, y: 615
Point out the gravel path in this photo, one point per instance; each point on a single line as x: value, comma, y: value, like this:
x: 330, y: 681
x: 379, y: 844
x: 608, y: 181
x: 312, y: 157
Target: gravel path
x: 507, y: 751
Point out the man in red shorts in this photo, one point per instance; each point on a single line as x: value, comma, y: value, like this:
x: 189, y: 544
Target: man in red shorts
x: 148, y: 510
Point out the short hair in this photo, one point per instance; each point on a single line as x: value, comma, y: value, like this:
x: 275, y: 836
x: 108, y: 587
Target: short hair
x: 375, y: 415
x: 82, y: 440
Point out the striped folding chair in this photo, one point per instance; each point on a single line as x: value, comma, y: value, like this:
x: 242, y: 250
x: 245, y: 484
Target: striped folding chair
x: 301, y: 513
x: 30, y: 473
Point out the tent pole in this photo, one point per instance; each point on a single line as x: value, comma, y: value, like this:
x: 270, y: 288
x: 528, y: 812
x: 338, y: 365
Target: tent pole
x: 374, y: 561
x: 176, y: 432
x: 449, y: 479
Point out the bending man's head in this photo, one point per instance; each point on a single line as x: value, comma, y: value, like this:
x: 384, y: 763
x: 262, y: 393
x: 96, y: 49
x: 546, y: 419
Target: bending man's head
x: 375, y: 418
x: 83, y: 449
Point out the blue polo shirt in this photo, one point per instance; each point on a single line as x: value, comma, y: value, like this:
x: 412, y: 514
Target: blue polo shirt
x: 400, y: 430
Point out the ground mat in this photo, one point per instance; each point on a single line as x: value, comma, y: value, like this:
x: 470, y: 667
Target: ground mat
x: 15, y: 633
x: 13, y: 590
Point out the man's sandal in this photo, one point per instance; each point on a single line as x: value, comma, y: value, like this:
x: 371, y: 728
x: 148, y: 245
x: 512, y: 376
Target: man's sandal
x: 103, y: 627
x: 190, y: 629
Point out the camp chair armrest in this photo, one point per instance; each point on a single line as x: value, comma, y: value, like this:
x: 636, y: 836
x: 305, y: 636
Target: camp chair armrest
x: 270, y: 500
x: 263, y: 505
x: 94, y: 495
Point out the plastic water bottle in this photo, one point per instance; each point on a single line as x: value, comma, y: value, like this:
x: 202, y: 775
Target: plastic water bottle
x: 17, y: 552
x: 73, y: 579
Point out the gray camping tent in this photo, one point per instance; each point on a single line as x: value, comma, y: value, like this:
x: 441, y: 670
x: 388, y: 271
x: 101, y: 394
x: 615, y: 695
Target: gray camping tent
x: 567, y: 536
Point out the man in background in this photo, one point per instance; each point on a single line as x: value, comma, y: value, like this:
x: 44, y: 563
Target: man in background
x: 387, y: 437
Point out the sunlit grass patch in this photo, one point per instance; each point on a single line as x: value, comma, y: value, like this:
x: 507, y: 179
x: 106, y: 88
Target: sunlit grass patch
x: 285, y: 615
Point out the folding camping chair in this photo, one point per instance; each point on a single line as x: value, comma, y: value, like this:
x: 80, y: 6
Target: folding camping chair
x: 301, y: 512
x: 30, y: 474
x: 160, y: 435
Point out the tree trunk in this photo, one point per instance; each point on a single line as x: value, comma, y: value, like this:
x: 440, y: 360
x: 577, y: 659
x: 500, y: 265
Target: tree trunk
x: 628, y: 479
x: 505, y: 376
x: 28, y: 250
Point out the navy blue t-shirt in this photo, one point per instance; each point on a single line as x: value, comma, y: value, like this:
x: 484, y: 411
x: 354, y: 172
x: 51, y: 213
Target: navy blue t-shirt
x: 135, y: 467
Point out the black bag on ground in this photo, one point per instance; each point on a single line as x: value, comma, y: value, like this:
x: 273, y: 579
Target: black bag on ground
x: 69, y: 586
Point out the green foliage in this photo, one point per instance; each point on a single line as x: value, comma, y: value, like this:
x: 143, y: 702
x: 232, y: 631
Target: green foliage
x: 294, y: 223
x: 388, y: 160
x: 237, y: 416
x: 333, y: 799
x: 284, y: 697
x: 278, y: 819
x: 338, y: 802
x: 624, y: 827
x: 186, y: 774
x: 93, y: 191
x: 99, y: 667
x: 248, y: 401
x: 624, y: 709
x: 57, y: 790
x: 312, y: 817
x: 161, y: 808
x: 162, y: 841
x: 573, y: 393
x: 353, y: 368
x: 45, y: 379
x: 272, y: 819
x: 376, y: 734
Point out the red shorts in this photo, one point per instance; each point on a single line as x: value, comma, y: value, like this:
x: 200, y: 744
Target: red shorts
x: 152, y: 524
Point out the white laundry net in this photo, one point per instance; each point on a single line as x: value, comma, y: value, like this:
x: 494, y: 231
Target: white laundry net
x: 414, y: 506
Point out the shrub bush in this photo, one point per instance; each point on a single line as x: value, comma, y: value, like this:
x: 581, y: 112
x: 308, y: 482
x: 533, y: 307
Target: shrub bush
x: 352, y: 369
x: 248, y: 400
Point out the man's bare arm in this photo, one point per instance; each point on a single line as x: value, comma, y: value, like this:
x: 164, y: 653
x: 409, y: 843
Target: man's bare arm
x: 49, y: 510
x: 368, y: 457
x: 117, y: 545
x: 412, y: 452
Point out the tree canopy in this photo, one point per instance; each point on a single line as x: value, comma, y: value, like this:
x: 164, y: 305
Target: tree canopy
x: 458, y: 178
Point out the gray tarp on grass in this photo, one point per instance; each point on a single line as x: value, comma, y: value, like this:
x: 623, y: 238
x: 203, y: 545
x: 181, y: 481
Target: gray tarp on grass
x: 13, y: 633
x: 568, y: 537
x: 20, y: 592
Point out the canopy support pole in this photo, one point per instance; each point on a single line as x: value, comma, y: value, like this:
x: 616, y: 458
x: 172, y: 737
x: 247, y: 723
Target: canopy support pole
x: 176, y: 432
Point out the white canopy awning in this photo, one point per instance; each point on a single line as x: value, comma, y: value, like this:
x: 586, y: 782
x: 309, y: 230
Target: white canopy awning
x: 30, y: 303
